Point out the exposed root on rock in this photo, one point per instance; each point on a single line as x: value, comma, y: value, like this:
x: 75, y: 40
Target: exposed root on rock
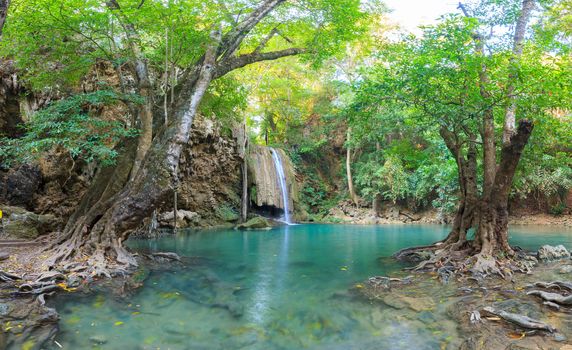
x: 554, y: 285
x: 553, y: 297
x: 464, y: 257
x: 520, y: 320
x: 9, y: 277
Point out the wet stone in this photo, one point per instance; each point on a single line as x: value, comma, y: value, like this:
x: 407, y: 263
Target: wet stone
x: 98, y: 339
x: 4, y: 309
x: 565, y: 269
x: 550, y: 253
x: 394, y: 302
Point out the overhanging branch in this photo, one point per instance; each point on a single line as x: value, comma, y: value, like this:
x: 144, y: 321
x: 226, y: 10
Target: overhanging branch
x: 233, y: 63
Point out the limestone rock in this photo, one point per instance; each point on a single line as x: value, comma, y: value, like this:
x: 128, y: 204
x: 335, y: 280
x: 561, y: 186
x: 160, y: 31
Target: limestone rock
x: 184, y: 218
x: 18, y: 186
x: 549, y: 253
x: 419, y: 304
x: 394, y: 301
x: 256, y: 223
x: 20, y: 223
x: 210, y: 178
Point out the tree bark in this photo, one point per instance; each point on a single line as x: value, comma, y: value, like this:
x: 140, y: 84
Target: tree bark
x: 493, y: 226
x: 351, y: 189
x: 468, y: 193
x: 4, y: 4
x: 244, y: 149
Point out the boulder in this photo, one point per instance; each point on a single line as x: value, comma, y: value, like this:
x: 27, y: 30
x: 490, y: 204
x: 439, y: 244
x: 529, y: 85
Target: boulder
x: 22, y: 224
x: 185, y: 218
x: 550, y: 253
x: 256, y: 223
x: 18, y: 186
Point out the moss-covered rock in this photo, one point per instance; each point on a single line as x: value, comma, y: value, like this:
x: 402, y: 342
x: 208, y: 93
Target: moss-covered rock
x: 256, y: 223
x: 22, y: 224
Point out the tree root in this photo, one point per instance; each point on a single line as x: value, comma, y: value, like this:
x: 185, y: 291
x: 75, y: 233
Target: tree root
x: 520, y: 320
x: 554, y: 285
x: 385, y: 282
x: 28, y: 289
x: 451, y: 258
x: 484, y: 265
x: 166, y: 255
x: 9, y: 277
x: 553, y: 297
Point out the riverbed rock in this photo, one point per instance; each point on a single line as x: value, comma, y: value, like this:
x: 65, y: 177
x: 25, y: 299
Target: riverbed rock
x: 551, y: 253
x: 256, y: 223
x: 98, y: 339
x: 394, y: 301
x: 419, y: 303
x: 185, y: 218
x: 22, y: 224
x: 565, y: 269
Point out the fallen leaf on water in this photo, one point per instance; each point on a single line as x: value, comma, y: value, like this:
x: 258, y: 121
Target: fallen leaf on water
x: 118, y: 323
x: 344, y: 268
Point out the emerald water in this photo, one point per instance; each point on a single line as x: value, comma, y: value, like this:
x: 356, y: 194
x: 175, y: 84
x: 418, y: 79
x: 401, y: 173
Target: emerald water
x: 286, y: 288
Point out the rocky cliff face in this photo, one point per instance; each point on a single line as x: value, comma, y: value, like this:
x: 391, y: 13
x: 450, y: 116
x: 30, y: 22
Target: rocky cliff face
x: 265, y: 192
x: 210, y: 175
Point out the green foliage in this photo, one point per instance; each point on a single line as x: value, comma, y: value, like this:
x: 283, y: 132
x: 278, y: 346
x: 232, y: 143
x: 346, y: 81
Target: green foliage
x: 227, y: 99
x: 75, y: 125
x: 558, y: 209
x: 422, y: 85
x: 314, y: 194
x: 227, y: 213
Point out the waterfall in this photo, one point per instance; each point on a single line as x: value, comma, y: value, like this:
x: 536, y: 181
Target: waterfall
x: 282, y: 182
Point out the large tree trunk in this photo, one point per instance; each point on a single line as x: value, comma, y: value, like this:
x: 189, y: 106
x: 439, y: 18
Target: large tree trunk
x: 100, y: 231
x: 468, y: 193
x: 351, y: 188
x: 492, y: 234
x: 244, y: 168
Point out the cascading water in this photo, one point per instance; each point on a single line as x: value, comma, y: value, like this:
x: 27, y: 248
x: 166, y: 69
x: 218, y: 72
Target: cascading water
x: 282, y: 182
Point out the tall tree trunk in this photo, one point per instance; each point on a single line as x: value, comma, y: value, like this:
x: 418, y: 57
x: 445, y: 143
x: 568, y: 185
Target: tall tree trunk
x: 144, y: 87
x: 351, y: 189
x: 492, y: 235
x: 518, y: 44
x: 145, y: 138
x: 4, y: 4
x: 468, y: 193
x: 493, y: 226
x: 244, y: 151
